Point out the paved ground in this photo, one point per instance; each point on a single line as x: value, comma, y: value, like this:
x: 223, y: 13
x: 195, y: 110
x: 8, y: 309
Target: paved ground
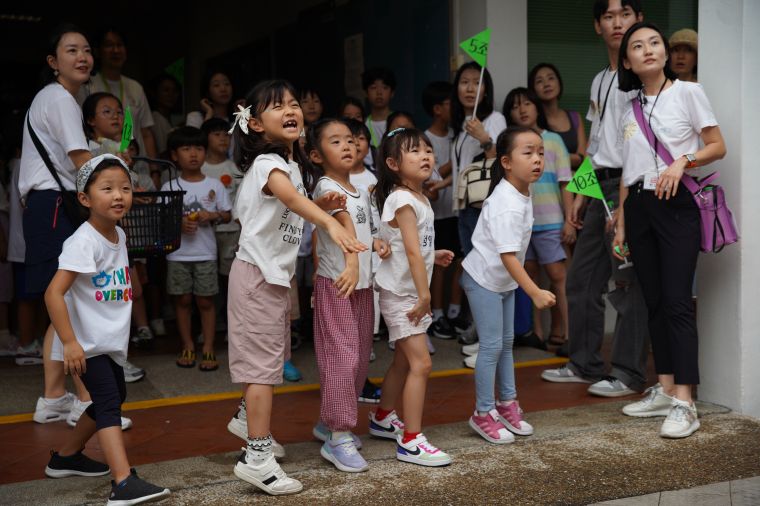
x: 579, y: 455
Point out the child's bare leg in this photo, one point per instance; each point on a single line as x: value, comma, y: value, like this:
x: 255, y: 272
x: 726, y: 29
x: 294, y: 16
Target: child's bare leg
x: 139, y: 312
x: 183, y: 311
x: 55, y: 385
x: 112, y: 442
x: 28, y: 313
x: 82, y: 433
x: 393, y: 383
x: 207, y: 310
x: 258, y: 409
x: 557, y: 273
x: 420, y: 365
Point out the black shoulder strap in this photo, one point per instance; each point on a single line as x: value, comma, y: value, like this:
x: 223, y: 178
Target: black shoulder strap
x: 43, y: 153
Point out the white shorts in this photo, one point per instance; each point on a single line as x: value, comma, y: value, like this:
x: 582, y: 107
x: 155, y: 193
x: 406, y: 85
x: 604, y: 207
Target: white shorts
x: 394, y: 308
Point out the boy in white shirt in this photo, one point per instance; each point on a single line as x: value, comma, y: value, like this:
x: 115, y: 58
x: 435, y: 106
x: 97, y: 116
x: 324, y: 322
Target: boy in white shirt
x: 192, y: 269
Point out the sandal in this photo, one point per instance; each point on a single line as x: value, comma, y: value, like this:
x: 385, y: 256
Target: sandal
x: 209, y: 362
x: 556, y: 340
x: 186, y: 359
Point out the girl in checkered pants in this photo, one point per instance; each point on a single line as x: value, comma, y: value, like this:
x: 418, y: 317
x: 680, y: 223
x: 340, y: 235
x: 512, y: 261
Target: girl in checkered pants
x: 343, y: 303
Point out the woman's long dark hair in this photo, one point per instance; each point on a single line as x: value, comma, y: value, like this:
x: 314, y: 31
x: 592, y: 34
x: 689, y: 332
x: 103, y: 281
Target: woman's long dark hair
x: 48, y: 76
x: 518, y: 93
x: 505, y: 143
x: 627, y: 79
x: 485, y: 107
x: 206, y: 84
x: 249, y: 146
x: 393, y: 145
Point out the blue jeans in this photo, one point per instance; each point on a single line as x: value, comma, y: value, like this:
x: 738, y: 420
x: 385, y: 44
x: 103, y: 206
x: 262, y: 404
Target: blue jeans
x: 494, y: 315
x: 468, y: 218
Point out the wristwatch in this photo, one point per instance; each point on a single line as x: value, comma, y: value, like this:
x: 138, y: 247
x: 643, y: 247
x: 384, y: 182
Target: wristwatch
x: 485, y: 146
x: 691, y: 160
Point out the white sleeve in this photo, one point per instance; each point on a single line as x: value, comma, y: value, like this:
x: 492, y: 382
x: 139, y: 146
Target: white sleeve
x: 79, y: 254
x: 145, y: 117
x: 264, y: 165
x: 505, y: 230
x: 497, y: 125
x: 591, y: 113
x: 700, y: 112
x: 194, y: 119
x: 325, y: 185
x: 64, y: 121
x: 396, y: 201
x: 223, y: 203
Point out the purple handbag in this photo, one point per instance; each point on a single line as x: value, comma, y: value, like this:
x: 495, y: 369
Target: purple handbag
x: 718, y: 224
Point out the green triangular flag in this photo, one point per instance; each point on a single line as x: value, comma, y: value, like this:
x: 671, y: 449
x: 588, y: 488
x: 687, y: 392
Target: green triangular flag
x: 585, y: 182
x: 126, y: 133
x: 177, y: 70
x: 477, y: 46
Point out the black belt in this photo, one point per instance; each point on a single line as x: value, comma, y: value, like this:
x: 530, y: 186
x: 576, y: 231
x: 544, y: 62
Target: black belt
x: 608, y: 173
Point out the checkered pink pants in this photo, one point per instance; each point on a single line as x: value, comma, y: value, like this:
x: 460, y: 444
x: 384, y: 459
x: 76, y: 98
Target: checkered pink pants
x: 342, y: 341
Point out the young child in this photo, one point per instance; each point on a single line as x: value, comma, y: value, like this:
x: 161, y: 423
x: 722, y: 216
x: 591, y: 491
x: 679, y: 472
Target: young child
x: 271, y: 207
x: 343, y: 307
x: 219, y: 166
x: 312, y: 105
x: 379, y: 84
x: 552, y: 207
x: 89, y: 301
x: 436, y: 99
x: 351, y: 107
x: 493, y: 270
x: 400, y: 119
x: 405, y: 163
x: 192, y: 269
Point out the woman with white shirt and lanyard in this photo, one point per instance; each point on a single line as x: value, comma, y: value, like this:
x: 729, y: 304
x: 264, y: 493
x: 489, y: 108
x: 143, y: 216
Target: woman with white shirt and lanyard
x: 658, y: 216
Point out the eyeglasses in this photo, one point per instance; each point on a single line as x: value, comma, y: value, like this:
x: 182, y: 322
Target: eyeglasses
x: 107, y: 113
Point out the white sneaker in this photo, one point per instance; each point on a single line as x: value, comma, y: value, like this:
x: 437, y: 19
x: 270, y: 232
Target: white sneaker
x: 132, y: 373
x: 471, y: 349
x: 238, y: 426
x: 430, y: 347
x: 388, y: 428
x: 266, y: 475
x: 79, y: 407
x: 470, y: 361
x: 420, y: 451
x: 29, y: 355
x: 158, y: 327
x: 682, y: 421
x: 52, y: 410
x: 610, y: 387
x: 372, y: 356
x: 392, y: 345
x: 563, y: 375
x: 655, y: 403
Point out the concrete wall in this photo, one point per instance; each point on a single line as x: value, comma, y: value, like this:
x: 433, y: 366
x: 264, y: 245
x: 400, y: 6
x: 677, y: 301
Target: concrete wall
x: 729, y: 316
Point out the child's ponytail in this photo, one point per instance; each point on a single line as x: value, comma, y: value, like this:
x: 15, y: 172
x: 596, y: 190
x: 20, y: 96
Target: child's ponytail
x: 505, y: 143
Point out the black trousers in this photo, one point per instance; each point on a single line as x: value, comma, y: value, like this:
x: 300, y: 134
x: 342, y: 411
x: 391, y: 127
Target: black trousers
x: 104, y: 380
x: 664, y: 238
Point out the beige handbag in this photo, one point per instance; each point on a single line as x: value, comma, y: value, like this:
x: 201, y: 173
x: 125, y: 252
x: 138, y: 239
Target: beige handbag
x: 473, y: 184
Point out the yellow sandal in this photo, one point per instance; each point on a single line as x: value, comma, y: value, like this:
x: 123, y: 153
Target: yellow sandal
x: 186, y: 359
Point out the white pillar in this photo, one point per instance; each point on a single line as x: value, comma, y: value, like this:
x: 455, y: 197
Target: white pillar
x: 508, y: 51
x: 728, y: 283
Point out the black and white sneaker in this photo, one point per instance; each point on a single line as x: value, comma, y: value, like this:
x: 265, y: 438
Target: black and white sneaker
x: 460, y: 324
x: 370, y: 393
x: 78, y: 464
x: 132, y: 373
x: 265, y: 474
x: 134, y: 490
x: 442, y: 329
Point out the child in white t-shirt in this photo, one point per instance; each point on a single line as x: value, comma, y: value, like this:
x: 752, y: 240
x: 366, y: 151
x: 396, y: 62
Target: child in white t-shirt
x: 89, y: 301
x: 405, y: 162
x: 271, y: 206
x: 192, y: 269
x: 343, y: 304
x: 492, y: 272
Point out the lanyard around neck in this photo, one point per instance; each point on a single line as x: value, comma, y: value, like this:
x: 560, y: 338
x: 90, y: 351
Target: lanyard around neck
x: 607, y: 95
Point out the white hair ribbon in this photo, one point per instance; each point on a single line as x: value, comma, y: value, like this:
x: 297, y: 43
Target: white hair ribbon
x: 242, y: 116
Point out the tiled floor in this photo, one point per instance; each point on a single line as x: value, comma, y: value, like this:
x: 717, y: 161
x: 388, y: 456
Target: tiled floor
x: 728, y: 493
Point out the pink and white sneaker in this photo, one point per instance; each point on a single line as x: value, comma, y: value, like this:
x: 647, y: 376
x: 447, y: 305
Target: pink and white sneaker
x: 511, y: 415
x: 388, y: 428
x: 491, y: 428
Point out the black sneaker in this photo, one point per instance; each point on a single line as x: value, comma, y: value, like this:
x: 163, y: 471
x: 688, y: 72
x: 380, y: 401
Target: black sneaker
x: 74, y: 465
x: 532, y: 340
x: 460, y: 324
x: 370, y: 393
x: 563, y: 350
x: 442, y: 329
x: 134, y: 490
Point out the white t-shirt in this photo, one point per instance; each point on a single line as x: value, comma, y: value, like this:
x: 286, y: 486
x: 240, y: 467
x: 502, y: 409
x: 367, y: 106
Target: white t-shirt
x: 366, y: 182
x: 16, y: 244
x: 271, y: 233
x: 465, y: 147
x: 504, y: 226
x: 230, y: 177
x: 57, y: 120
x: 131, y: 94
x: 331, y: 259
x: 100, y: 300
x: 603, y: 147
x: 442, y: 151
x: 682, y: 111
x: 209, y: 195
x: 394, y: 274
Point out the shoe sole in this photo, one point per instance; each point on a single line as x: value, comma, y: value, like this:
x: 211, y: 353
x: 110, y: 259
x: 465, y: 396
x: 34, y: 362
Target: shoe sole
x: 277, y: 449
x: 469, y: 354
x: 141, y: 500
x: 259, y: 484
x: 688, y: 432
x: 425, y: 463
x: 133, y: 379
x: 514, y: 430
x: 331, y: 458
x: 468, y: 366
x: 484, y: 435
x: 65, y: 473
x: 443, y: 336
x: 382, y: 434
x: 28, y: 361
x: 369, y: 400
x: 603, y: 393
x: 647, y: 414
x: 564, y: 379
x: 55, y: 418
